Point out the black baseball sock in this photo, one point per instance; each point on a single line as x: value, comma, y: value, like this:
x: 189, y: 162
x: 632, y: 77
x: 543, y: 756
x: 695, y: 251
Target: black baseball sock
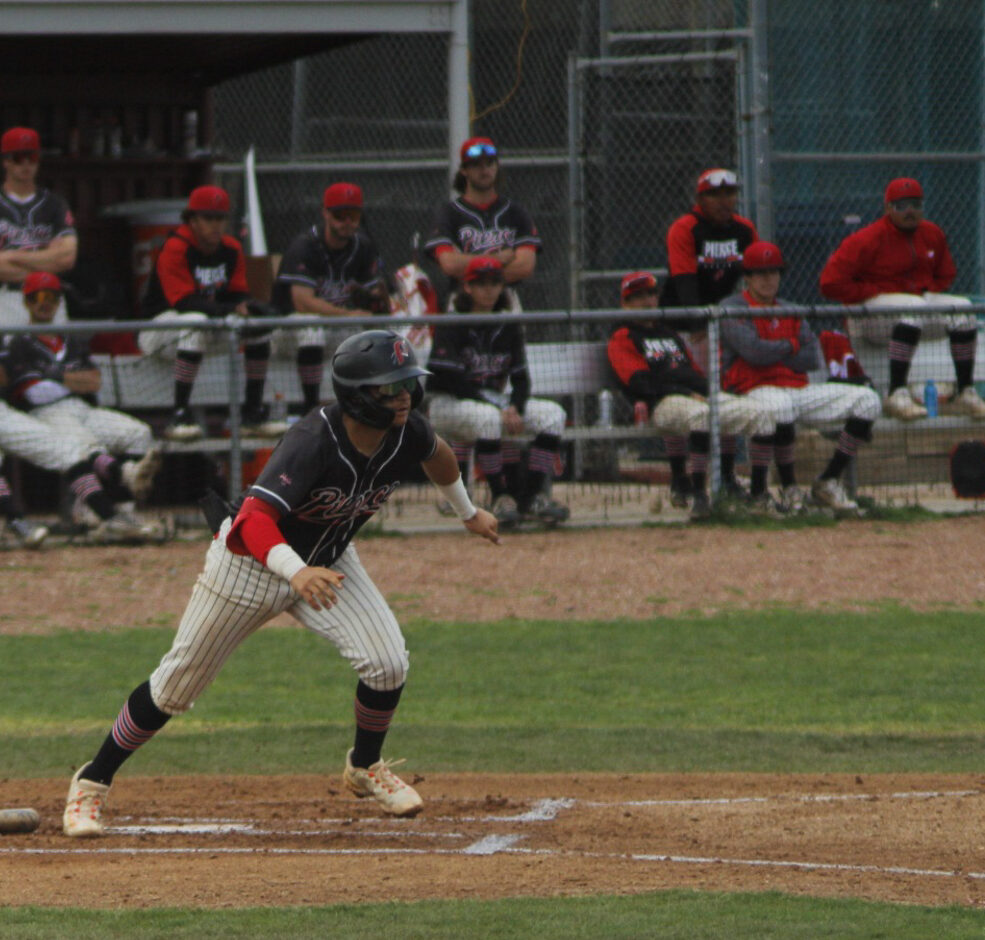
x: 374, y: 712
x: 186, y: 366
x: 963, y: 356
x: 699, y: 444
x: 855, y: 431
x: 489, y: 457
x: 311, y: 361
x: 783, y: 451
x: 139, y: 720
x: 256, y: 357
x: 902, y: 346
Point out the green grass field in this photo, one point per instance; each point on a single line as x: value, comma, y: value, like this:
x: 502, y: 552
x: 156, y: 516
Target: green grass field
x: 787, y: 691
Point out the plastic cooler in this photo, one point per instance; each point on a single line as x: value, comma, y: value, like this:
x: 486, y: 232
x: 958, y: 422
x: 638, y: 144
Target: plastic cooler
x: 150, y: 221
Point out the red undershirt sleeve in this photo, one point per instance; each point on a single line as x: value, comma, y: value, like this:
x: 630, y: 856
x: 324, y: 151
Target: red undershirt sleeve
x: 254, y: 530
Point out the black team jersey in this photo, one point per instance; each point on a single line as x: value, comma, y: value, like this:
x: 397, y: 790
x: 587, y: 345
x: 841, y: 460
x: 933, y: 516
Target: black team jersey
x: 330, y: 273
x: 35, y: 223
x: 326, y: 489
x: 481, y: 230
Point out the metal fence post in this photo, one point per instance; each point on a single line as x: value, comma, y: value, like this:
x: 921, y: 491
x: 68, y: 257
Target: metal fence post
x: 714, y: 387
x: 235, y: 483
x: 760, y: 93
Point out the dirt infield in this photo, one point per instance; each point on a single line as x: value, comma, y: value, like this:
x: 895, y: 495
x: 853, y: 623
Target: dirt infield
x: 236, y: 842
x: 242, y: 841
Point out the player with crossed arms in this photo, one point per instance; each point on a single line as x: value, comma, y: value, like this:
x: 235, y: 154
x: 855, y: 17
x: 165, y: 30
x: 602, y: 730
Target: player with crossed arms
x: 288, y: 549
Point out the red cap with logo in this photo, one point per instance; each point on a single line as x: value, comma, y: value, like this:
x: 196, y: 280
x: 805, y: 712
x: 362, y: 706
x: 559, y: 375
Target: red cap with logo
x: 19, y: 139
x: 483, y: 266
x: 903, y: 188
x: 717, y: 178
x: 762, y: 256
x: 208, y: 199
x: 343, y: 196
x: 636, y: 282
x: 41, y: 280
x: 475, y: 148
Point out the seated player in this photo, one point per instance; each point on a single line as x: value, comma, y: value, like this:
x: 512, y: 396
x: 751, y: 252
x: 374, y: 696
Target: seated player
x: 653, y: 365
x: 471, y: 368
x: 767, y: 357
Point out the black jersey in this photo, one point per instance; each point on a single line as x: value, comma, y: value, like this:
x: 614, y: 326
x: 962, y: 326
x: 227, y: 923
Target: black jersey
x: 35, y: 223
x: 330, y: 273
x: 188, y: 280
x: 705, y: 260
x: 481, y: 230
x: 477, y: 362
x: 326, y: 489
x: 36, y: 366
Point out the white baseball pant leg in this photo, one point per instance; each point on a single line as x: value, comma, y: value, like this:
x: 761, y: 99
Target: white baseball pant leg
x: 543, y: 416
x: 932, y: 326
x: 824, y: 404
x: 737, y: 414
x: 285, y: 343
x: 166, y: 343
x: 23, y: 435
x: 465, y: 419
x: 103, y: 428
x: 235, y: 595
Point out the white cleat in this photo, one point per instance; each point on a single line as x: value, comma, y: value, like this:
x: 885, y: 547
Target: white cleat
x: 378, y: 781
x: 83, y: 817
x: 969, y: 402
x: 138, y: 475
x: 901, y: 405
x: 831, y: 493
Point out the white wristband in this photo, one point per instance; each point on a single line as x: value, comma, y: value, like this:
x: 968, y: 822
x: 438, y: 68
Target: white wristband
x: 283, y: 560
x: 458, y: 498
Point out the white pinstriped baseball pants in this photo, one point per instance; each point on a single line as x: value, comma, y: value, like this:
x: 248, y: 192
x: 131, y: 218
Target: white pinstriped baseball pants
x: 235, y: 595
x: 96, y: 428
x: 24, y: 436
x: 466, y: 420
x: 820, y: 404
x: 933, y: 326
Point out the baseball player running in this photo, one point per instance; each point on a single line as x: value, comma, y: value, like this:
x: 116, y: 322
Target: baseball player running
x: 288, y: 549
x: 767, y: 358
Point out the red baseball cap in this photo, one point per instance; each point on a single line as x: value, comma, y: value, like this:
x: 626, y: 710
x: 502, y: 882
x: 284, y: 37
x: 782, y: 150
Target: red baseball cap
x: 41, y: 280
x: 19, y: 139
x: 483, y: 266
x: 475, y: 148
x: 208, y: 199
x: 635, y: 282
x: 717, y: 178
x: 903, y: 188
x: 762, y: 256
x: 343, y: 196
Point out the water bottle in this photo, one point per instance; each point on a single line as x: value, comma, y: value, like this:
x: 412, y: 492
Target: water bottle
x: 605, y: 409
x: 278, y: 410
x: 930, y: 398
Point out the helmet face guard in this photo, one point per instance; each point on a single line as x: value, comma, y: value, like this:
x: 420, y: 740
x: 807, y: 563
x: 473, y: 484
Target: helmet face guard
x: 376, y: 357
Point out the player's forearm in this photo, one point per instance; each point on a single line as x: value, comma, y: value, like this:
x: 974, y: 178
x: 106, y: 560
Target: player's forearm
x: 442, y: 467
x: 521, y: 266
x: 59, y: 256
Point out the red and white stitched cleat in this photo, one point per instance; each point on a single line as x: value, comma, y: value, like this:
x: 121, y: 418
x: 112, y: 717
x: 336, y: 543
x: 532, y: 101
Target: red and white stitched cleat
x: 396, y: 797
x: 84, y: 808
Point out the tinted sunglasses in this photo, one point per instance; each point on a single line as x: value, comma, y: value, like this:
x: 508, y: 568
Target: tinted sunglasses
x: 480, y: 150
x: 43, y: 297
x: 23, y: 156
x: 640, y: 285
x: 911, y: 202
x: 346, y: 215
x: 393, y: 389
x: 487, y: 279
x: 212, y: 216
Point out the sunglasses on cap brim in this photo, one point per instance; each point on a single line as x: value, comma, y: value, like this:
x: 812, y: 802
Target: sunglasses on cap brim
x: 908, y: 202
x: 639, y: 285
x: 43, y: 296
x: 213, y: 216
x: 393, y: 389
x: 721, y: 179
x: 487, y: 278
x: 478, y: 151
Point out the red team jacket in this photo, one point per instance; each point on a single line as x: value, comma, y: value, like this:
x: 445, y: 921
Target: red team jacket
x: 765, y: 350
x: 186, y: 279
x: 882, y: 259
